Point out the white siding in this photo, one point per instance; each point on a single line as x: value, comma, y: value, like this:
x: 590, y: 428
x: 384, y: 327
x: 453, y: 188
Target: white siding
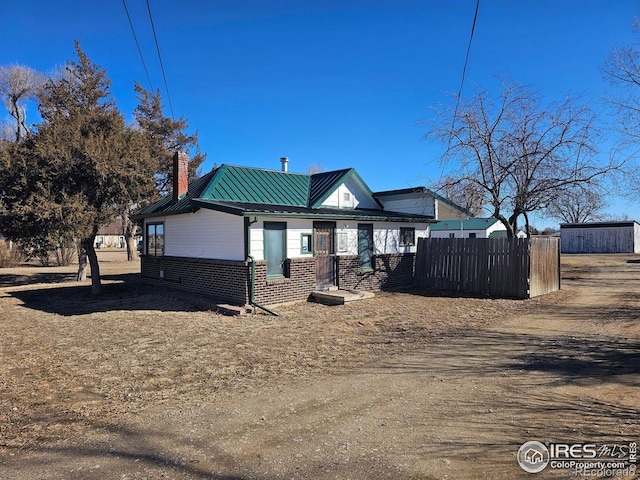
x: 204, y: 234
x: 496, y: 227
x: 445, y: 211
x: 350, y: 194
x: 386, y: 236
x: 459, y: 234
x: 422, y: 205
x: 333, y: 200
x: 295, y: 228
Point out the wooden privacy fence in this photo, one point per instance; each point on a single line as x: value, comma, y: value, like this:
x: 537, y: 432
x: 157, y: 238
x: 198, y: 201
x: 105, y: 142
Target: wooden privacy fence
x: 498, y: 267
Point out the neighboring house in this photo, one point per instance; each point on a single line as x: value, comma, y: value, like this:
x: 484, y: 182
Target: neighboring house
x: 421, y: 201
x: 600, y: 237
x: 469, y: 228
x: 249, y: 235
x: 111, y: 235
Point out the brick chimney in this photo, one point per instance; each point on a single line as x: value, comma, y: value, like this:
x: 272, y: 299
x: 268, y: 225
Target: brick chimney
x: 180, y: 174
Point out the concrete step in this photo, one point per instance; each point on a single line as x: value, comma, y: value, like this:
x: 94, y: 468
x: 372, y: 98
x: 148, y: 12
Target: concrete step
x: 233, y: 310
x: 340, y: 297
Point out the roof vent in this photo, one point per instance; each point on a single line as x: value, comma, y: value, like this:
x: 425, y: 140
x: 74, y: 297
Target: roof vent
x: 285, y: 163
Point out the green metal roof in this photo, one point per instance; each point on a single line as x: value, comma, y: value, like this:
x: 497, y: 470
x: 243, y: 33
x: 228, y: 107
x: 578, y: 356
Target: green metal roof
x: 245, y: 191
x: 467, y: 224
x: 281, y: 211
x: 324, y: 184
x: 167, y: 206
x: 254, y: 185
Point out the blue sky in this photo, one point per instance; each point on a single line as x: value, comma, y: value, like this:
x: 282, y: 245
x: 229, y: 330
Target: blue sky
x: 336, y: 83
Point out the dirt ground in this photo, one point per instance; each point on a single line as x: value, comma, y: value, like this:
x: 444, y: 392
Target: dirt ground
x: 147, y: 384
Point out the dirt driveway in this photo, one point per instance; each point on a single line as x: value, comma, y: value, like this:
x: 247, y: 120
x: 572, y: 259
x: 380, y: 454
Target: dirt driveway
x: 406, y: 385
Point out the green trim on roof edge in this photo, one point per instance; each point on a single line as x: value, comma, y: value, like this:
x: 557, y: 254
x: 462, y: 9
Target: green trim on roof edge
x: 351, y: 172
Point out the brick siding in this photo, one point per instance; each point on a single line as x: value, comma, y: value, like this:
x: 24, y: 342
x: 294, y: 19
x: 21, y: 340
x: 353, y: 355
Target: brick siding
x: 229, y: 281
x: 388, y: 272
x: 298, y: 283
x: 224, y: 280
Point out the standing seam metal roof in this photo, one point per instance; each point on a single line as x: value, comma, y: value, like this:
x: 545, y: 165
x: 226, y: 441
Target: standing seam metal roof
x: 252, y: 185
x: 267, y: 189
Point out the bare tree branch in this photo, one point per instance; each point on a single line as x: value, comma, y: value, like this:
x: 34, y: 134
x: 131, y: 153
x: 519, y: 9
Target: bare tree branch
x: 521, y: 153
x: 18, y: 85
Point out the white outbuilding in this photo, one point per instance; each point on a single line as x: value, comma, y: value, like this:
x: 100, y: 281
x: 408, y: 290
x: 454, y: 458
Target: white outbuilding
x: 600, y: 237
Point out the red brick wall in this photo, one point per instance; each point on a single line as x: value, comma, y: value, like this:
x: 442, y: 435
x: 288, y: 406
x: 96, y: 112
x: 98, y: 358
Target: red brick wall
x: 180, y: 174
x: 299, y: 282
x: 229, y: 281
x: 225, y: 280
x: 389, y: 271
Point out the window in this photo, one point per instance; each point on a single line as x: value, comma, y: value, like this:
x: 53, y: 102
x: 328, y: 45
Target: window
x: 365, y: 245
x: 306, y: 243
x: 407, y: 236
x: 155, y: 239
x: 452, y: 235
x: 343, y: 242
x: 472, y: 235
x: 275, y: 248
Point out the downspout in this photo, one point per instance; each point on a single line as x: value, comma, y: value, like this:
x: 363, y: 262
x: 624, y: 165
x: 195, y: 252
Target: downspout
x: 252, y: 286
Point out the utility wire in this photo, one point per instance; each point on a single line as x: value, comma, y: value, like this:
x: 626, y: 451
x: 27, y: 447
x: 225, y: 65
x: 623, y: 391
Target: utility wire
x: 135, y: 38
x: 160, y: 58
x: 466, y: 61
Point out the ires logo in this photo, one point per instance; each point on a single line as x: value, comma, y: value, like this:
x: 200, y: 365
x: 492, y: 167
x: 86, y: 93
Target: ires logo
x: 605, y: 460
x: 561, y: 451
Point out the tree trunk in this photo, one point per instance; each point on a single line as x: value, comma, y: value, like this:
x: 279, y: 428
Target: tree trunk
x: 527, y: 226
x: 509, y: 224
x: 129, y: 238
x: 512, y: 229
x: 82, y: 264
x: 87, y: 244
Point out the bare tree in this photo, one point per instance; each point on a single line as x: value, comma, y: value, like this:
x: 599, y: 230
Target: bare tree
x: 18, y: 85
x: 464, y: 193
x: 521, y: 153
x: 315, y: 168
x: 577, y: 205
x: 622, y: 69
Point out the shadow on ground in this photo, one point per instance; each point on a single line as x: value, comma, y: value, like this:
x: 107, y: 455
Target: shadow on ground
x: 119, y: 292
x: 571, y: 360
x: 18, y: 280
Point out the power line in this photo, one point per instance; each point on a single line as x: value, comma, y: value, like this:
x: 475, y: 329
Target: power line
x: 466, y: 60
x: 155, y: 38
x: 135, y: 38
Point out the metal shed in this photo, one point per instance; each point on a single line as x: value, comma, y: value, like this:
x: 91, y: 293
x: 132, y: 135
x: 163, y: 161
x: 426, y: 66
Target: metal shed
x: 600, y: 237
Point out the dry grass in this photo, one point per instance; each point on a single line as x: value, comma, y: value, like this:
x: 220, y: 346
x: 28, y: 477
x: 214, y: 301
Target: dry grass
x: 67, y: 357
x: 144, y: 383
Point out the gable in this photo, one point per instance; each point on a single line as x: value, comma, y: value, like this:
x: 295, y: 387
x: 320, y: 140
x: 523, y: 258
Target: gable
x: 347, y: 190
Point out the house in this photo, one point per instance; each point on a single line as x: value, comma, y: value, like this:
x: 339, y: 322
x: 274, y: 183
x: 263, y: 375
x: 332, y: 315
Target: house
x: 248, y: 235
x: 600, y: 237
x: 421, y: 201
x: 469, y: 228
x: 111, y: 235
